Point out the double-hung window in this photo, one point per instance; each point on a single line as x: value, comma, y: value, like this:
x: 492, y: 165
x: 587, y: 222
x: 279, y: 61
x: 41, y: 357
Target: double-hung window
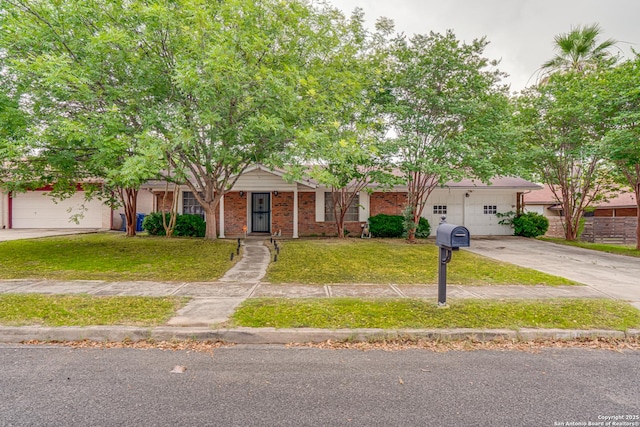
x: 190, y: 205
x: 353, y: 214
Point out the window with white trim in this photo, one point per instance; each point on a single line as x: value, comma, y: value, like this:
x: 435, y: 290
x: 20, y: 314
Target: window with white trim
x: 490, y: 209
x: 353, y: 214
x: 190, y: 205
x: 439, y: 209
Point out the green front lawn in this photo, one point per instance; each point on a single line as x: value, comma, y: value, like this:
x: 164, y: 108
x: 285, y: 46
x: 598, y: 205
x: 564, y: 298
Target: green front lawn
x: 112, y: 256
x: 386, y: 261
x: 85, y: 310
x: 338, y: 313
x: 629, y: 250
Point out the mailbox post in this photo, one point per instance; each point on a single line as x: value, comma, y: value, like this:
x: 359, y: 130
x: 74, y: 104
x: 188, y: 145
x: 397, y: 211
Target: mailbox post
x: 449, y: 238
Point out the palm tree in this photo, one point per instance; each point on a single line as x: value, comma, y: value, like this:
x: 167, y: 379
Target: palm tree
x: 579, y: 50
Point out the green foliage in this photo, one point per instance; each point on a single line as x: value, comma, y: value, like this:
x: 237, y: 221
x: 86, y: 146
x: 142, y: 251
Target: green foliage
x: 152, y: 223
x: 424, y: 229
x: 449, y: 111
x: 187, y: 225
x: 383, y: 225
x: 529, y: 224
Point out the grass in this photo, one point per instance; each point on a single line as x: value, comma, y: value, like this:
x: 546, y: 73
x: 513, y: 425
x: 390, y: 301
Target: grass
x: 111, y: 256
x: 627, y: 250
x: 387, y: 261
x: 338, y: 313
x: 85, y: 310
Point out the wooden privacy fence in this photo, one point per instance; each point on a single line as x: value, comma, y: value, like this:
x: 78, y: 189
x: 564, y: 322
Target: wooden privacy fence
x: 620, y: 230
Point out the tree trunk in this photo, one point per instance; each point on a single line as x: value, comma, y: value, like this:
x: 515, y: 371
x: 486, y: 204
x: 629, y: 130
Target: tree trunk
x: 638, y: 216
x: 211, y: 232
x: 129, y: 198
x: 170, y: 226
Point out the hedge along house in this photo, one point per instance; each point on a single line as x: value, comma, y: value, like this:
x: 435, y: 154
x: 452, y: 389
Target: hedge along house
x: 266, y: 204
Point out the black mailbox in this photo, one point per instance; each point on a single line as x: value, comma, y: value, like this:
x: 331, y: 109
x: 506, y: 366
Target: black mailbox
x: 452, y: 236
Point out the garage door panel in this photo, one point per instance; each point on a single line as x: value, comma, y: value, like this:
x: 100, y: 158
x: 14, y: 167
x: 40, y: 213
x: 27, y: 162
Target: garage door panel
x: 37, y: 209
x: 483, y: 222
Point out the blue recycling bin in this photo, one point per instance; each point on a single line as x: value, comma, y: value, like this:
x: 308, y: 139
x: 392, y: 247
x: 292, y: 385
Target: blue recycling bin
x: 139, y: 219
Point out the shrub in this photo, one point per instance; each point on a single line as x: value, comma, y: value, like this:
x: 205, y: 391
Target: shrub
x: 190, y: 225
x: 186, y: 225
x: 529, y: 224
x: 152, y: 223
x: 424, y: 229
x: 383, y: 225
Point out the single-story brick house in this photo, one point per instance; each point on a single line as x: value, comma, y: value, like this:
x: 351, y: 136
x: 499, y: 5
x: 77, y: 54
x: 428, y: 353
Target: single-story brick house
x: 264, y: 202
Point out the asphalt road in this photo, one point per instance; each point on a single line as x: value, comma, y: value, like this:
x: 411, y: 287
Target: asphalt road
x: 277, y: 386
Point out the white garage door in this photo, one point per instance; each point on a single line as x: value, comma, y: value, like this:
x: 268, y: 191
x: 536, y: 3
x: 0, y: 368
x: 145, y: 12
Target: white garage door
x: 35, y: 209
x: 480, y: 213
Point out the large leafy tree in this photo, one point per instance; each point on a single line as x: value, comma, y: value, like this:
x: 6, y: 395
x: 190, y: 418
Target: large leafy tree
x: 562, y: 128
x: 117, y: 86
x: 563, y: 124
x: 238, y: 68
x: 619, y: 93
x: 448, y: 108
x: 90, y: 80
x: 345, y: 127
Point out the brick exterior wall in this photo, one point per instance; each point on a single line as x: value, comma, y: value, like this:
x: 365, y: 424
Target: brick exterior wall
x: 235, y: 213
x: 387, y: 203
x: 168, y: 201
x: 282, y: 213
x: 307, y: 224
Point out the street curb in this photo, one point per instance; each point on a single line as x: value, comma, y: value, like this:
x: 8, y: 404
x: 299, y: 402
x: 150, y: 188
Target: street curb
x: 285, y: 336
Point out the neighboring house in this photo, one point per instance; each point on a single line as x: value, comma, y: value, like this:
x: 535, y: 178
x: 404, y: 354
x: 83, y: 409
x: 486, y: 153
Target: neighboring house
x: 544, y: 202
x: 265, y: 203
x: 36, y: 209
x: 622, y: 205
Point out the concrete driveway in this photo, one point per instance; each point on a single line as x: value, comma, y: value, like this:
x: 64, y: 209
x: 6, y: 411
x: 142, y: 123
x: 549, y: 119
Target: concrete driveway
x: 34, y: 233
x: 615, y: 276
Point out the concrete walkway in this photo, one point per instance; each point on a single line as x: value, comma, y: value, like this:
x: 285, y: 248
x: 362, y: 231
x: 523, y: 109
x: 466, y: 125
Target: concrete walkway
x: 238, y: 284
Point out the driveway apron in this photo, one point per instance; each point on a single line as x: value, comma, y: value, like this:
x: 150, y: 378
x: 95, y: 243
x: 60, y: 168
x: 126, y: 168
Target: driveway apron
x: 615, y: 276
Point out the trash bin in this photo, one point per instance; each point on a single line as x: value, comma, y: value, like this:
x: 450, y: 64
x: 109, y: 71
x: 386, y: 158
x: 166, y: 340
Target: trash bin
x: 124, y: 222
x: 139, y: 219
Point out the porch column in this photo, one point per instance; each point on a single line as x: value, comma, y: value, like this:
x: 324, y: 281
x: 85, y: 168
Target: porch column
x: 222, y: 217
x: 295, y: 212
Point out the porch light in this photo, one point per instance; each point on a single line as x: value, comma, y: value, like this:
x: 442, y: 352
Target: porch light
x: 241, y: 193
x: 275, y: 193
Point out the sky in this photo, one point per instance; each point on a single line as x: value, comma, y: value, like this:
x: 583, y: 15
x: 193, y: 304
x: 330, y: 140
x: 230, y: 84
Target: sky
x: 520, y: 32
